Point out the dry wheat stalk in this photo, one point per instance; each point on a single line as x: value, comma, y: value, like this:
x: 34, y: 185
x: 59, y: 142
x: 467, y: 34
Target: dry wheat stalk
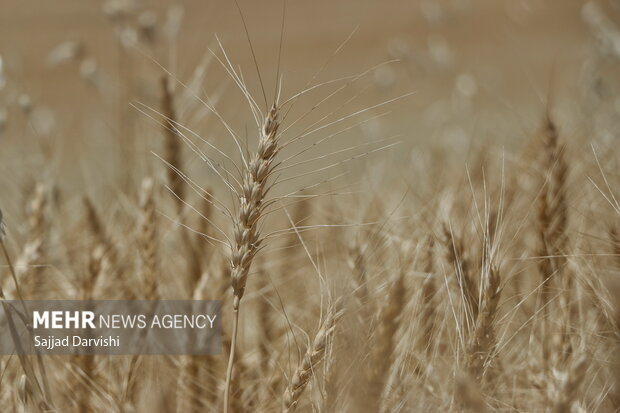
x: 191, y: 396
x: 247, y: 238
x: 204, y: 226
x: 98, y: 267
x: 429, y: 312
x: 482, y: 347
x: 251, y: 205
x: 241, y: 370
x: 553, y: 208
x: 172, y: 143
x: 198, y: 372
x: 97, y: 230
x: 38, y: 387
x: 198, y: 254
x: 195, y: 387
x: 148, y: 246
x: 148, y: 239
x: 456, y: 255
x: 33, y: 247
x: 314, y: 355
x: 552, y: 223
x: 389, y: 321
x: 102, y: 236
x: 356, y: 260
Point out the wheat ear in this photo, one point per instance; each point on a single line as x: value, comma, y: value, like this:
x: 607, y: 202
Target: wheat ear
x: 39, y: 389
x: 33, y: 248
x: 552, y: 221
x: 314, y: 355
x: 172, y: 143
x: 429, y: 310
x: 97, y: 229
x: 456, y: 255
x: 148, y: 239
x: 382, y: 355
x: 247, y: 238
x: 483, y: 343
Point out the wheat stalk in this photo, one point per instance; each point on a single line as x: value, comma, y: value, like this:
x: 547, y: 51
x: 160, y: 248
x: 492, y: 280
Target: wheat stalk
x: 552, y: 221
x: 383, y: 350
x: 148, y: 239
x: 314, y: 355
x: 38, y: 389
x: 455, y: 253
x: 33, y: 247
x: 98, y: 231
x: 247, y: 238
x: 483, y: 342
x: 172, y: 143
x: 428, y: 293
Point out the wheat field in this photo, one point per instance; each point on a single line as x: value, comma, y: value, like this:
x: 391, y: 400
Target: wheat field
x: 403, y: 207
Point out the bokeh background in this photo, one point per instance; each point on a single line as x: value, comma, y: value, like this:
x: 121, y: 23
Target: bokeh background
x: 479, y: 68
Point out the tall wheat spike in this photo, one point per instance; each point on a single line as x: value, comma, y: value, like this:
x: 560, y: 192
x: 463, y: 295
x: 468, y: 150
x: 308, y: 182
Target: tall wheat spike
x: 482, y: 347
x: 173, y: 144
x: 314, y: 355
x: 552, y: 223
x: 247, y: 237
x: 456, y: 255
x: 384, y: 345
x: 98, y: 231
x: 148, y: 239
x: 553, y: 208
x: 37, y: 386
x: 33, y: 248
x: 428, y: 293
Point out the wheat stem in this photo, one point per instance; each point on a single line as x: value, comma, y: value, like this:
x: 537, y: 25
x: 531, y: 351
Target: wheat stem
x: 231, y: 360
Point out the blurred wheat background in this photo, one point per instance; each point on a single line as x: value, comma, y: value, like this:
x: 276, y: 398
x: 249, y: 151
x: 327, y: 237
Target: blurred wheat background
x: 407, y: 206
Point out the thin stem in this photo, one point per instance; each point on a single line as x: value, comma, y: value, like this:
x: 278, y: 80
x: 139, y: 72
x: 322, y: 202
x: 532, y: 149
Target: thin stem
x: 231, y: 360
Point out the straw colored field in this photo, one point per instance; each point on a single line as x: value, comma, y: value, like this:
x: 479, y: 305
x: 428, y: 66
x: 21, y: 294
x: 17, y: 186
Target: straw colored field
x: 403, y: 206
